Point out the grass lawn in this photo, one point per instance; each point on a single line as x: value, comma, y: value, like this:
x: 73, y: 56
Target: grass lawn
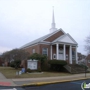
x: 9, y: 72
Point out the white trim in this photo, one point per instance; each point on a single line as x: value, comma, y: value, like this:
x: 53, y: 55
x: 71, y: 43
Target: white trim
x: 53, y: 33
x: 41, y: 39
x: 70, y: 54
x: 59, y: 38
x: 50, y: 35
x: 44, y: 43
x: 62, y: 30
x: 35, y: 41
x: 57, y: 46
x: 33, y: 50
x: 51, y: 51
x: 64, y: 50
x: 29, y: 46
x: 47, y: 43
x: 35, y: 45
x: 54, y: 55
x: 76, y: 56
x: 65, y: 43
x: 71, y: 38
x: 42, y: 51
x: 69, y: 43
x: 74, y: 46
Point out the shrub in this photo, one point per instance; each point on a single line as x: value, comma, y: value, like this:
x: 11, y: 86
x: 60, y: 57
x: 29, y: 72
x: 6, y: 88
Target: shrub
x: 39, y: 70
x: 46, y: 66
x: 29, y: 70
x: 38, y: 56
x: 15, y: 64
x: 84, y: 66
x: 60, y: 62
x: 57, y: 65
x: 12, y: 64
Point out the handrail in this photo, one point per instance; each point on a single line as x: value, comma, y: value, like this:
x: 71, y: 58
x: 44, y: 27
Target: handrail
x: 68, y: 68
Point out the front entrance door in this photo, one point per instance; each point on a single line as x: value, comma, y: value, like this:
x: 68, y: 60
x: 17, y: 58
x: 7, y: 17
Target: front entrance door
x: 61, y: 57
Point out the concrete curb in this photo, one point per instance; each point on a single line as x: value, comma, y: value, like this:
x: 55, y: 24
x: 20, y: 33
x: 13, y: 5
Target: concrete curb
x: 52, y: 82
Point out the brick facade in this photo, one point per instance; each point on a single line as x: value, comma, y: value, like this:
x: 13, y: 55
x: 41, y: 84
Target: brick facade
x: 55, y: 36
x: 38, y: 49
x: 48, y: 41
x: 45, y: 46
x: 30, y: 49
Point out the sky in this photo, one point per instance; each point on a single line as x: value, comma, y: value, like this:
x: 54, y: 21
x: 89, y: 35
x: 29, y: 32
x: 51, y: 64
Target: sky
x: 22, y: 21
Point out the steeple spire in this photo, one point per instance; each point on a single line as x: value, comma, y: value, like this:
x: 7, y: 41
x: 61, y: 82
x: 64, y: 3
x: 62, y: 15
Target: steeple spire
x: 53, y: 19
x: 53, y: 28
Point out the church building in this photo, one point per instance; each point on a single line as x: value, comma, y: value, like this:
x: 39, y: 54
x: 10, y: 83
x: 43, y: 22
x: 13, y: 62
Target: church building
x: 57, y: 45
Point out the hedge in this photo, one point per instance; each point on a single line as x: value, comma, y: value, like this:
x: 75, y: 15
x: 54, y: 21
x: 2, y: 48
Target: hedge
x: 59, y: 62
x: 84, y: 66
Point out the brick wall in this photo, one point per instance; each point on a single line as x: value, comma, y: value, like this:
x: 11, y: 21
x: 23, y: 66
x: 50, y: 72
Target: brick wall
x: 55, y: 36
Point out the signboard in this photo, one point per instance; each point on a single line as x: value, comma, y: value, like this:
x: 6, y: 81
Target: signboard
x: 32, y: 64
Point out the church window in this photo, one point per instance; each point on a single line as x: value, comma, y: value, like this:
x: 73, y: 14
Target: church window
x: 45, y: 51
x: 33, y: 51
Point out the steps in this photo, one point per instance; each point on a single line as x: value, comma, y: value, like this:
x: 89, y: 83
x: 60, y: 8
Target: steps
x: 75, y: 68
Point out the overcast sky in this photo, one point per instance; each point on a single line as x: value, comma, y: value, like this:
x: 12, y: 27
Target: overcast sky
x: 22, y: 21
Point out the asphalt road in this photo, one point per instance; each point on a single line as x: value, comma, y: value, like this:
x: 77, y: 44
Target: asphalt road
x: 11, y: 88
x: 75, y: 85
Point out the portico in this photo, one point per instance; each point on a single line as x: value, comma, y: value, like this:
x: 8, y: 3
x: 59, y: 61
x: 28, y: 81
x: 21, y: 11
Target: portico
x: 67, y: 52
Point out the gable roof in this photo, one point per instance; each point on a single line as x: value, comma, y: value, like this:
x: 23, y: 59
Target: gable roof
x: 41, y: 39
x: 53, y: 34
x: 66, y: 38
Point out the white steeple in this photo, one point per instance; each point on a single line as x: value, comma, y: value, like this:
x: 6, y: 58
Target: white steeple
x: 53, y: 26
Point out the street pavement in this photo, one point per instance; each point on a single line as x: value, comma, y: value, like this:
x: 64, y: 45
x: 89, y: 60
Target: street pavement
x: 2, y: 76
x: 74, y: 85
x: 6, y: 82
x: 72, y: 77
x: 16, y: 84
x: 11, y: 88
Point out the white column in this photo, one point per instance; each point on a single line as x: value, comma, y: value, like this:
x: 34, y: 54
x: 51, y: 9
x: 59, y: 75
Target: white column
x: 70, y: 54
x: 57, y: 46
x: 64, y: 51
x: 51, y: 52
x: 76, y: 56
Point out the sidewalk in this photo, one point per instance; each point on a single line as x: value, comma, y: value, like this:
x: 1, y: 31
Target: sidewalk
x: 2, y: 76
x: 41, y: 81
x: 6, y: 82
x: 29, y: 81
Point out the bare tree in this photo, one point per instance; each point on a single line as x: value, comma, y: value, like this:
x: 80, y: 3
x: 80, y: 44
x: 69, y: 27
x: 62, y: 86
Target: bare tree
x: 87, y: 46
x: 15, y: 54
